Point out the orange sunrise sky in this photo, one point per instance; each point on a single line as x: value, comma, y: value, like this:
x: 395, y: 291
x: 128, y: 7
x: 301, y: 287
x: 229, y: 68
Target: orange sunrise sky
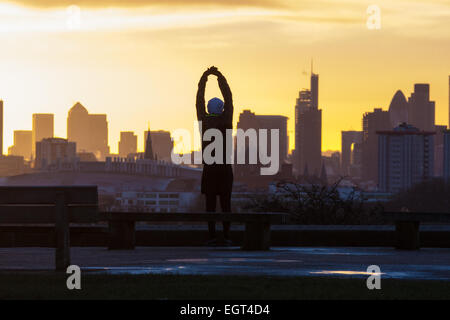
x: 140, y: 60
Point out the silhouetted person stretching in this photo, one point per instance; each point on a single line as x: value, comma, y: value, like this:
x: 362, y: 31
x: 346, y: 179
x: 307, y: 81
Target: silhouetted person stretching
x: 217, y: 179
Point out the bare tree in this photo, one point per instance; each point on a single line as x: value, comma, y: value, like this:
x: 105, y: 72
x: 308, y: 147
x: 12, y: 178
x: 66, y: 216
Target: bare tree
x: 315, y: 203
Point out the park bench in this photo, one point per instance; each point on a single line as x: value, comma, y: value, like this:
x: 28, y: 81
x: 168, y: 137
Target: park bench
x: 257, y: 225
x: 62, y: 205
x: 58, y: 205
x: 407, y: 226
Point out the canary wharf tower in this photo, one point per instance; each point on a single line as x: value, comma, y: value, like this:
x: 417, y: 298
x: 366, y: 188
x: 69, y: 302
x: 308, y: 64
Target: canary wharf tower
x: 308, y: 130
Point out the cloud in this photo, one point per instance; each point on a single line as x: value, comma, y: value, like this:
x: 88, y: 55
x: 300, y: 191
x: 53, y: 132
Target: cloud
x: 141, y: 3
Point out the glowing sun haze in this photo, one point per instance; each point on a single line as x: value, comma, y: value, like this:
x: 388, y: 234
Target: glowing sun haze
x: 140, y: 60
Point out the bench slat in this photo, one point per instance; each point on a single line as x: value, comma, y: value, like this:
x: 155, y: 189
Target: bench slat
x: 47, y: 194
x: 197, y: 217
x: 46, y: 214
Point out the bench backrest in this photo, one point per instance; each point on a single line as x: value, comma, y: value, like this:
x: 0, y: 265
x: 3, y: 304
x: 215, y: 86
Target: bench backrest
x: 47, y: 195
x: 417, y: 216
x: 37, y: 204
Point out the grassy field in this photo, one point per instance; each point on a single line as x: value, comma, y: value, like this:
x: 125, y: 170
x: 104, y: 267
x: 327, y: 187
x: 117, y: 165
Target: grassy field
x: 53, y: 286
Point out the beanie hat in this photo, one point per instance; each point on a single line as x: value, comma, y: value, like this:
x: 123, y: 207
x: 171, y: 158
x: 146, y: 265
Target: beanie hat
x: 215, y: 106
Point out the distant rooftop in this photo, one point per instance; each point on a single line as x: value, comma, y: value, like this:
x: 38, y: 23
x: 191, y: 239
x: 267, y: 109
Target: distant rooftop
x: 405, y: 129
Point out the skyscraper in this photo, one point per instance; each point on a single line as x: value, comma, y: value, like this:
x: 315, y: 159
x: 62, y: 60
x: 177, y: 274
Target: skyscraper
x: 42, y: 128
x: 77, y: 120
x: 308, y: 130
x: 277, y: 122
x: 314, y: 90
x: 89, y: 131
x: 372, y: 122
x: 249, y: 120
x: 398, y: 109
x: 421, y: 113
x: 127, y: 143
x: 406, y: 157
x: 22, y: 144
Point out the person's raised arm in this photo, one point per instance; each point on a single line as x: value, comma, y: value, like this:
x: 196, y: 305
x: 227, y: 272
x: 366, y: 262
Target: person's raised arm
x: 226, y: 93
x: 200, y: 102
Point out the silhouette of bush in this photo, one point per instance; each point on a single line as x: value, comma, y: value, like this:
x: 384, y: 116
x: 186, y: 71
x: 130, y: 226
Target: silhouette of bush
x: 428, y: 196
x: 318, y: 204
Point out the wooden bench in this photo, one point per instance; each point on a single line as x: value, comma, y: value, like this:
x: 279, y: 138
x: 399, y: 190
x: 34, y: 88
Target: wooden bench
x: 257, y: 226
x: 50, y: 205
x: 407, y: 226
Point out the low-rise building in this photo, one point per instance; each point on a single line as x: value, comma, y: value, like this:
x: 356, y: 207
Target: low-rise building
x: 405, y: 157
x: 154, y: 201
x: 55, y: 154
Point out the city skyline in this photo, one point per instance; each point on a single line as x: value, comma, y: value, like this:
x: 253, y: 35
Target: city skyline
x: 142, y: 139
x: 137, y: 63
x: 188, y: 152
x: 115, y: 150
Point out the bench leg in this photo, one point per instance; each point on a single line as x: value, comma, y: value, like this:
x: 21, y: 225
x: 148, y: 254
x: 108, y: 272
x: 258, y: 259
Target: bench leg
x: 122, y: 235
x: 62, y: 252
x: 257, y: 236
x: 407, y: 233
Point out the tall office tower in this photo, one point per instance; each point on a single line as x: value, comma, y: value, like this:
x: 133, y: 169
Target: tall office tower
x: 22, y: 144
x: 127, y: 143
x: 406, y: 157
x: 314, y: 90
x: 398, y: 109
x: 99, y: 127
x: 1, y: 127
x: 279, y: 123
x: 372, y: 122
x: 348, y: 141
x: 162, y: 144
x: 42, y: 128
x: 421, y: 109
x: 308, y: 130
x: 89, y: 131
x: 249, y: 120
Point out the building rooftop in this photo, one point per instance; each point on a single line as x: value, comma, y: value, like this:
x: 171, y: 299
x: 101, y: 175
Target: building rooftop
x: 78, y: 108
x: 405, y: 129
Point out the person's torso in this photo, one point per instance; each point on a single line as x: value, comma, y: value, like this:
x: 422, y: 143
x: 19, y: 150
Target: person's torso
x: 223, y: 126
